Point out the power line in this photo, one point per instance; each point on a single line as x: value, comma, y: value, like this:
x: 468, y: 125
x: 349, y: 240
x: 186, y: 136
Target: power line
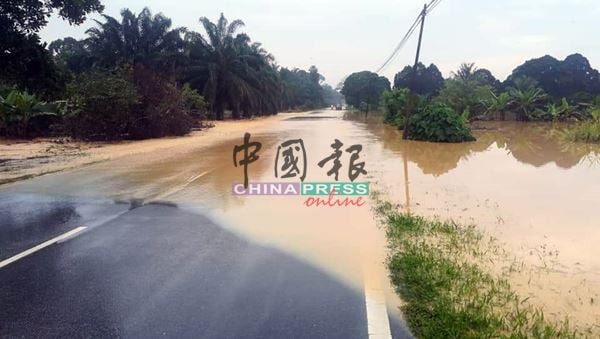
x: 434, y: 4
x: 401, y: 43
x: 430, y: 7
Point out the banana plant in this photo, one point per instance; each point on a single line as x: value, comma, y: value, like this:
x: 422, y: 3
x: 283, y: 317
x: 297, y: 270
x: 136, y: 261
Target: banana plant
x: 498, y: 104
x: 17, y: 110
x: 559, y: 112
x: 526, y: 101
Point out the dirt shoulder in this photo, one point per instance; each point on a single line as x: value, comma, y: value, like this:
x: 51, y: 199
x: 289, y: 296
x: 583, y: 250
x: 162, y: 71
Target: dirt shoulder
x: 24, y: 159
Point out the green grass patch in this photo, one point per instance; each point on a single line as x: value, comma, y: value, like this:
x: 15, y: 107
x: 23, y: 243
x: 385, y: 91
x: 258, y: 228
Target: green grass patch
x: 446, y: 294
x: 587, y: 131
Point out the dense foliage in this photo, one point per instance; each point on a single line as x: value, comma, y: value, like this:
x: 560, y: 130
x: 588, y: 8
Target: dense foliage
x: 102, y: 102
x: 24, y: 60
x: 363, y: 89
x: 466, y: 91
x: 542, y: 89
x: 393, y: 104
x: 438, y: 122
x: 301, y: 89
x: 129, y: 103
x: 23, y: 114
x: 175, y: 75
x: 573, y: 78
x: 428, y: 80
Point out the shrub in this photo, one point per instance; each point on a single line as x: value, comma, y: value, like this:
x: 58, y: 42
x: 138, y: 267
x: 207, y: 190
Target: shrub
x: 438, y: 122
x: 394, y: 103
x: 161, y: 109
x: 194, y: 103
x: 101, y: 105
x: 23, y: 114
x: 498, y: 105
x: 128, y: 104
x: 466, y: 95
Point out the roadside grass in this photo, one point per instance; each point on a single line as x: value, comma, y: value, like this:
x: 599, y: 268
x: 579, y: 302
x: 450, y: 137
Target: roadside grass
x: 446, y: 294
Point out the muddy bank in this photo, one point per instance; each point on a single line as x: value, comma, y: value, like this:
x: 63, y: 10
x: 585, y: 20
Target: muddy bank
x: 23, y: 159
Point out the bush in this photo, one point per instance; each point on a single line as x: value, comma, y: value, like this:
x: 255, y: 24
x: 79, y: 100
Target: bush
x: 24, y: 115
x: 194, y: 103
x: 466, y: 95
x: 438, y: 122
x: 161, y: 110
x: 101, y: 105
x: 128, y: 104
x: 394, y: 103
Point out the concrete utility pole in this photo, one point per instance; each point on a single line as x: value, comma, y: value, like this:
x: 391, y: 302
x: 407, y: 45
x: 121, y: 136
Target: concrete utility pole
x: 407, y: 113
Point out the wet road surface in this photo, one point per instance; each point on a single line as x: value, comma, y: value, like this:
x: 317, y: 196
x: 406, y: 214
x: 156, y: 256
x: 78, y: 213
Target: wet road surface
x: 168, y: 252
x: 157, y: 271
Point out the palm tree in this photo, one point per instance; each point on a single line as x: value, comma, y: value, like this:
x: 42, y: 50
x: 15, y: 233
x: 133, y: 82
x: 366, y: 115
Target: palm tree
x: 137, y: 39
x: 466, y: 71
x: 216, y: 64
x: 231, y: 71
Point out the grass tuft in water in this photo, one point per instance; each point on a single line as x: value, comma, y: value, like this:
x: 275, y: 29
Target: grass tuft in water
x: 448, y: 296
x: 587, y: 131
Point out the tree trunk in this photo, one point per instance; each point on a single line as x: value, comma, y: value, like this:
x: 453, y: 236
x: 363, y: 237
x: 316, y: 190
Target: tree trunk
x: 235, y: 111
x: 219, y: 111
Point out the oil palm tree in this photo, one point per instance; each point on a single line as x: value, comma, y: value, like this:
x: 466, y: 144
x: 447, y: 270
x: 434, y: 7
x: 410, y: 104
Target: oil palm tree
x: 216, y: 64
x: 466, y: 71
x: 230, y: 70
x: 137, y: 39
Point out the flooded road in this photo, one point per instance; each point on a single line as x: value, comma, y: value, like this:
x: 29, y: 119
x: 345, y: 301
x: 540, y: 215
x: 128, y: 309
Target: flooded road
x: 519, y: 183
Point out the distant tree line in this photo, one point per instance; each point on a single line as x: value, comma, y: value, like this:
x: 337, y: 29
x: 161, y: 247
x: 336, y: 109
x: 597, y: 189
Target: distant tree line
x: 137, y: 76
x: 544, y: 89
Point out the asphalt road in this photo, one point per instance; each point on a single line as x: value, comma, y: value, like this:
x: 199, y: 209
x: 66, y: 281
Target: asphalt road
x: 158, y: 271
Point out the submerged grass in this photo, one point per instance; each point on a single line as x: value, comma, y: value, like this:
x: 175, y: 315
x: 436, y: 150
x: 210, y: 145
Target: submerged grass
x: 449, y: 296
x: 587, y: 131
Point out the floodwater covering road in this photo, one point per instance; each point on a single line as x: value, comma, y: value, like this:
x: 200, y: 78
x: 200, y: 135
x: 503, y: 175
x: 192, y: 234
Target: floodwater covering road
x: 168, y: 250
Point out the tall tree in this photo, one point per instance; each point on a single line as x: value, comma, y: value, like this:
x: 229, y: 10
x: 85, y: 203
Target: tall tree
x: 144, y: 39
x: 23, y: 58
x: 560, y: 78
x: 231, y: 71
x: 428, y: 80
x: 301, y: 89
x: 465, y: 91
x: 363, y: 89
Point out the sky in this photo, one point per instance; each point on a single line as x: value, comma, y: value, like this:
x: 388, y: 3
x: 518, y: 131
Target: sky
x: 345, y: 36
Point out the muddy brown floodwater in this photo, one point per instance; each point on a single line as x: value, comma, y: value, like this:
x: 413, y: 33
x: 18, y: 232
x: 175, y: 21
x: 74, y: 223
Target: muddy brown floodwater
x: 518, y: 182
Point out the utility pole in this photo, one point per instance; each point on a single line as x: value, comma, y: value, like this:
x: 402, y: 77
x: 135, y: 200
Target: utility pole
x: 407, y: 112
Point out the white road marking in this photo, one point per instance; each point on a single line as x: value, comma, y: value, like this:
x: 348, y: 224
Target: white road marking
x: 180, y: 187
x: 374, y: 279
x: 41, y: 246
x: 378, y: 323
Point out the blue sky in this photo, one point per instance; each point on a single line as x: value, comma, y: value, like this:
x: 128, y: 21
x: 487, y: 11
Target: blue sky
x: 344, y: 36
